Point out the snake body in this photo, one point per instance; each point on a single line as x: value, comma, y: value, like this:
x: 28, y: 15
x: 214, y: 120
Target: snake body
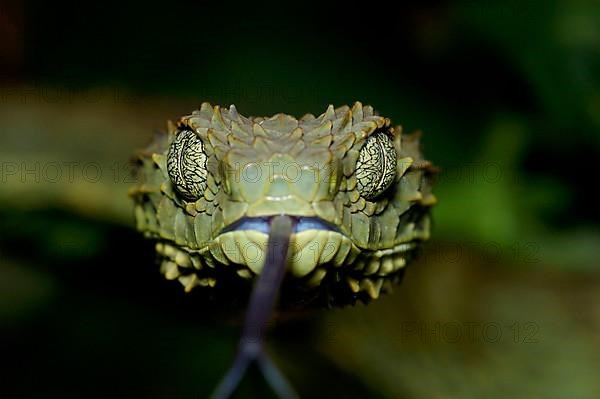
x: 358, y: 189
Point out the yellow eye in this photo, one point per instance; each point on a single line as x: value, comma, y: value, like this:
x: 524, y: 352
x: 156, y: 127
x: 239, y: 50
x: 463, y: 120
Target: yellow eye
x: 376, y: 166
x: 186, y: 164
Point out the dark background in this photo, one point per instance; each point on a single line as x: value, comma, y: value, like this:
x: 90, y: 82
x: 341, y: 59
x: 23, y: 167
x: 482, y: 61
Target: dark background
x: 507, y: 94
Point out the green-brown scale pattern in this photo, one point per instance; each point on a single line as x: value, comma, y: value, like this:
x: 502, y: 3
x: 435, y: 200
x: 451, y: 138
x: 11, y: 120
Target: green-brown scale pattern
x: 302, y: 167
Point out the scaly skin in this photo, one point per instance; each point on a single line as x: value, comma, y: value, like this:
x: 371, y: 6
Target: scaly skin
x: 229, y: 168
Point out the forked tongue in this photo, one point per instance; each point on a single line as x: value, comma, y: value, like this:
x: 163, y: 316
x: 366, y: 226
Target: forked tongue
x: 262, y: 302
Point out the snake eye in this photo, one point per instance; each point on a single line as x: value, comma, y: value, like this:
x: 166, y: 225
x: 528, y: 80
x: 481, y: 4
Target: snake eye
x: 186, y: 164
x: 376, y: 166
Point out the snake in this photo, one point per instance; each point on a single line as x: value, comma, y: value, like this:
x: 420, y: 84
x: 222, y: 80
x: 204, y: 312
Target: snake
x: 351, y: 194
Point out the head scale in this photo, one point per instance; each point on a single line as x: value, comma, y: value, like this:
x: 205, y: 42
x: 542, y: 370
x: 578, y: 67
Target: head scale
x: 358, y: 188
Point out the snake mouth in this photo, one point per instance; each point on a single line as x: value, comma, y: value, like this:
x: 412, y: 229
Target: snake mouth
x: 317, y: 249
x: 262, y: 224
x: 314, y: 243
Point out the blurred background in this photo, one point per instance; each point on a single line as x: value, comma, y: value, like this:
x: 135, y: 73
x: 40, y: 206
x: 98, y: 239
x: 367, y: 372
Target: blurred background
x: 503, y: 302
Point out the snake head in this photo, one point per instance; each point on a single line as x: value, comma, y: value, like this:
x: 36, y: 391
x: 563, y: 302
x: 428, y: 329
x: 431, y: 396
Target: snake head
x: 358, y: 189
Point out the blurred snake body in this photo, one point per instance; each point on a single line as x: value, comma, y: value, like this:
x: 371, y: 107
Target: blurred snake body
x: 357, y: 189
